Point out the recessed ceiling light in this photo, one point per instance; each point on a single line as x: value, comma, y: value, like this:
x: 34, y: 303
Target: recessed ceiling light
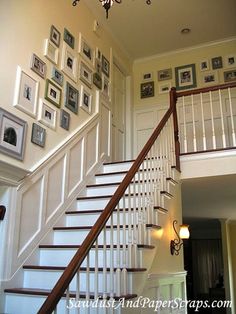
x: 185, y: 31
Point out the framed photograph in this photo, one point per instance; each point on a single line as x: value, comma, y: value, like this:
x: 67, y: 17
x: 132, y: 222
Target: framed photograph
x: 38, y: 135
x: 86, y: 99
x: 51, y: 52
x: 165, y: 74
x: 55, y: 36
x: 86, y: 50
x: 69, y: 38
x: 57, y: 76
x: 97, y: 80
x: 47, y: 115
x: 147, y: 76
x: 53, y: 93
x: 38, y: 66
x: 210, y: 78
x: 105, y: 87
x: 147, y: 90
x: 164, y: 88
x: 204, y: 65
x: 12, y: 135
x: 105, y: 66
x: 185, y: 77
x: 98, y: 67
x: 217, y: 63
x: 65, y: 120
x: 86, y: 74
x: 69, y: 63
x: 230, y: 61
x: 230, y: 76
x: 98, y: 54
x: 26, y: 93
x: 72, y: 97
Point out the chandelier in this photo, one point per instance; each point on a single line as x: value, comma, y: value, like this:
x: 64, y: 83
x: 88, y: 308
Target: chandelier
x: 108, y: 3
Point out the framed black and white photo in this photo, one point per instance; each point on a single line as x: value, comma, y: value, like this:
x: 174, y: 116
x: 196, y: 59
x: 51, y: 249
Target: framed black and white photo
x: 51, y: 52
x: 86, y: 50
x: 69, y: 38
x: 165, y: 74
x: 72, y: 98
x: 147, y: 76
x: 55, y: 36
x: 185, y: 77
x: 164, y: 88
x: 98, y: 54
x: 98, y: 67
x: 69, y: 63
x: 57, y: 76
x: 97, y: 80
x: 65, y: 120
x: 105, y: 87
x: 147, y: 89
x: 230, y: 76
x: 86, y: 99
x: 204, y: 65
x: 53, y: 93
x: 210, y: 78
x: 216, y: 63
x: 230, y: 61
x: 38, y: 135
x: 86, y: 74
x: 26, y: 92
x: 38, y: 66
x: 105, y: 66
x: 47, y: 114
x: 12, y: 135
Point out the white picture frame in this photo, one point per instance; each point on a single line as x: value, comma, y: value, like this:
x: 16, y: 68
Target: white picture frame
x: 51, y: 52
x: 86, y: 74
x: 86, y: 99
x: 210, y: 78
x: 105, y: 87
x: 86, y: 50
x: 204, y: 65
x: 47, y: 115
x: 164, y: 88
x: 69, y: 62
x: 147, y: 76
x: 26, y: 93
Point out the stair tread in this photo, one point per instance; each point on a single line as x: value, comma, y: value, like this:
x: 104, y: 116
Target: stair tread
x: 94, y: 211
x: 111, y: 173
x: 77, y: 246
x: 107, y: 227
x: 45, y: 292
x: 91, y: 269
x: 80, y: 198
x: 118, y: 162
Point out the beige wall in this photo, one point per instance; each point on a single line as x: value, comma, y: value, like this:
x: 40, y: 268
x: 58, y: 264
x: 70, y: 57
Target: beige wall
x: 174, y: 59
x: 24, y: 27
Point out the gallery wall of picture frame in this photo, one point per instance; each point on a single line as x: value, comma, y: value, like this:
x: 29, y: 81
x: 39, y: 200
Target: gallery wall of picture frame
x: 210, y: 71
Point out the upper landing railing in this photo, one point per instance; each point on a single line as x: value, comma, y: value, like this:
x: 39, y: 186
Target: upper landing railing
x: 207, y: 118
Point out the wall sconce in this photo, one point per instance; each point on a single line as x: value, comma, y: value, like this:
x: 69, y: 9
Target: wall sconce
x: 175, y: 245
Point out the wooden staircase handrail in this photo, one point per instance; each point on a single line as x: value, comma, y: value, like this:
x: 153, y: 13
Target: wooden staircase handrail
x: 58, y: 291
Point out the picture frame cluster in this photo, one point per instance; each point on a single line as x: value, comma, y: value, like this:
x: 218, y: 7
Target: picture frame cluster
x: 184, y: 77
x: 69, y: 70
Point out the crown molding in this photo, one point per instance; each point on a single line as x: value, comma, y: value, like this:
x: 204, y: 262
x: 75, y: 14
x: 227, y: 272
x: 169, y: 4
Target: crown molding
x: 196, y: 47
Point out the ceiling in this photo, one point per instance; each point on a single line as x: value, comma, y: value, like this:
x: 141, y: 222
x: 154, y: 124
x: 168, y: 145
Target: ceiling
x: 145, y: 30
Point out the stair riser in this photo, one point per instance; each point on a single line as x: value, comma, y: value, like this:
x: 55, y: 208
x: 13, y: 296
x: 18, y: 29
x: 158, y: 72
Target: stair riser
x: 90, y: 219
x: 123, y: 166
x: 47, y: 257
x: 109, y: 178
x: 77, y: 237
x: 47, y: 280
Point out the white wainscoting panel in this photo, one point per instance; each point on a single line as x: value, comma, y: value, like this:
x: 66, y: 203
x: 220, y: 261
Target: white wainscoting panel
x: 91, y: 148
x: 105, y: 130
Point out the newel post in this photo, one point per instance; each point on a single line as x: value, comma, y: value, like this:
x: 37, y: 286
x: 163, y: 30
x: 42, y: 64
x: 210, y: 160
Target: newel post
x: 173, y: 101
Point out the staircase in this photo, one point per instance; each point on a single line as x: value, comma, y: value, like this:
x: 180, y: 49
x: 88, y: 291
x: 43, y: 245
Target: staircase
x: 66, y: 237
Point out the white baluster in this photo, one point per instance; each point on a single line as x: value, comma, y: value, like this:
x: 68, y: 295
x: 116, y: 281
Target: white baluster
x: 194, y: 126
x: 112, y: 258
x: 67, y: 300
x: 118, y: 270
x: 203, y: 124
x: 130, y: 235
x: 87, y: 293
x: 77, y: 293
x: 124, y: 269
x: 104, y: 264
x: 140, y: 218
x: 185, y: 130
x: 222, y: 120
x: 212, y: 122
x: 231, y: 117
x: 96, y: 273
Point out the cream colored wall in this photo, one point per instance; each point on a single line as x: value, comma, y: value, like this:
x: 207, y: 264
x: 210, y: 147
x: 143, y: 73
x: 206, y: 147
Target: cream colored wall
x: 175, y: 59
x: 24, y: 27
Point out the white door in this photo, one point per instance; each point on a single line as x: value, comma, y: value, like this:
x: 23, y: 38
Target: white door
x: 118, y: 115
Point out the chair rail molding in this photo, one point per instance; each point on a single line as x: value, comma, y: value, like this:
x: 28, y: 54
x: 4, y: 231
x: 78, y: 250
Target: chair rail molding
x: 11, y: 175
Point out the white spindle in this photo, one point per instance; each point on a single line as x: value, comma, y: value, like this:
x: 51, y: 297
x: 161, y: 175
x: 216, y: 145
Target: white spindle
x: 67, y: 300
x: 130, y: 234
x: 194, y: 126
x: 77, y: 293
x: 125, y: 264
x: 203, y: 123
x: 112, y: 258
x: 87, y: 293
x: 212, y: 122
x: 104, y: 263
x: 184, y: 126
x: 222, y: 120
x: 231, y: 118
x: 140, y: 218
x: 118, y: 270
x: 96, y: 271
x: 55, y: 310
